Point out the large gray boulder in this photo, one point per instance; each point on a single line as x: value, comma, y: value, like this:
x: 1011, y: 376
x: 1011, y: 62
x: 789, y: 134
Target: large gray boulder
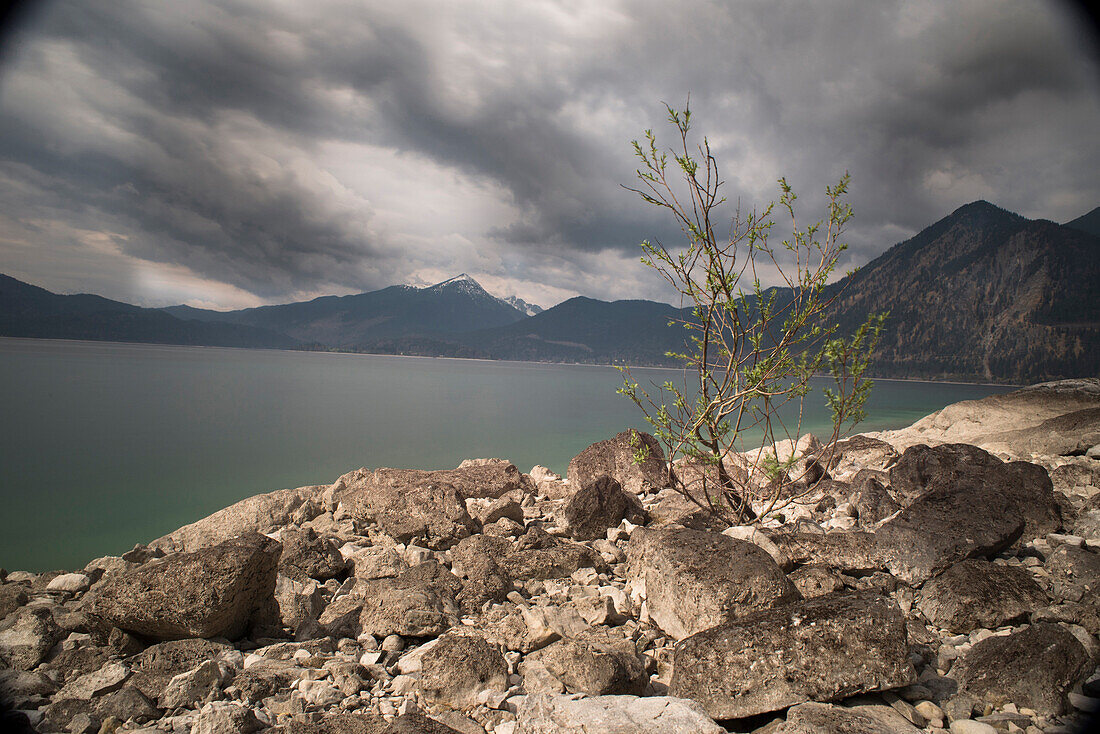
x: 212, y: 592
x: 872, y: 500
x: 968, y: 505
x: 1035, y: 667
x: 615, y: 458
x: 976, y: 593
x: 154, y: 667
x: 539, y: 555
x: 854, y: 552
x: 1026, y: 487
x: 1076, y: 574
x: 599, y: 505
x: 552, y: 714
x: 418, y: 603
x: 858, y: 453
x: 307, y: 555
x: 27, y: 637
x: 695, y: 580
x: 826, y: 718
x: 263, y: 513
x: 459, y: 667
x: 592, y: 663
x: 824, y: 649
x: 422, y: 506
x: 477, y: 560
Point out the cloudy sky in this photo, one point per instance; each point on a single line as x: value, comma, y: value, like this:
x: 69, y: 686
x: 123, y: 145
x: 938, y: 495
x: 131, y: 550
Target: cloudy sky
x: 240, y: 152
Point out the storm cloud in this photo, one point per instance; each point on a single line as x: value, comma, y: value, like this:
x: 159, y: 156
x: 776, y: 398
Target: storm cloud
x: 243, y: 152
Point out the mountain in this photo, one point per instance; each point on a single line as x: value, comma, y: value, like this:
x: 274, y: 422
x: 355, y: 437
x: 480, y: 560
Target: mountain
x: 356, y: 322
x: 589, y: 331
x: 1087, y: 222
x: 982, y: 294
x: 29, y: 311
x: 523, y: 306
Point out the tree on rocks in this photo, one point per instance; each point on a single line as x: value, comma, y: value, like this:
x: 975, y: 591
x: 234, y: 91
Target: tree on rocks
x: 751, y: 350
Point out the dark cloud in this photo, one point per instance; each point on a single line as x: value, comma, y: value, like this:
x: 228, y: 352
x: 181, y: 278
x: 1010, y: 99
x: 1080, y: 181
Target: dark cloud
x: 287, y: 149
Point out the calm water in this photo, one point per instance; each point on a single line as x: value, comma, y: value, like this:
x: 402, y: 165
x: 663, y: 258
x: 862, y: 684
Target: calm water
x: 105, y: 445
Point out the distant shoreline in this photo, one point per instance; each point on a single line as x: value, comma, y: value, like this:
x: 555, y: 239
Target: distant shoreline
x: 464, y: 359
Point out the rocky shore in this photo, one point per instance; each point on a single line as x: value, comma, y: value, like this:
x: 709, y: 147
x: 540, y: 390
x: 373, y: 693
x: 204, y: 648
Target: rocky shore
x: 939, y: 578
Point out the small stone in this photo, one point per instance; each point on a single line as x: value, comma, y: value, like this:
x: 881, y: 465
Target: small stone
x: 929, y: 710
x: 393, y: 643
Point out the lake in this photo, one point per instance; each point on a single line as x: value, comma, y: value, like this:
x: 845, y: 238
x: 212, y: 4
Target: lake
x: 104, y: 445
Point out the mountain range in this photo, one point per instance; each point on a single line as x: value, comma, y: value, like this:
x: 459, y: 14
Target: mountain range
x: 982, y: 294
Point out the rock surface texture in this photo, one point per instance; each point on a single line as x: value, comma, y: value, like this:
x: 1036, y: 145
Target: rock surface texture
x: 942, y: 578
x: 824, y: 649
x: 212, y: 592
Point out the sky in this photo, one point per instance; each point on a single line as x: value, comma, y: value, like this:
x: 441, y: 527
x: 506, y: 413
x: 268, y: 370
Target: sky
x: 237, y: 153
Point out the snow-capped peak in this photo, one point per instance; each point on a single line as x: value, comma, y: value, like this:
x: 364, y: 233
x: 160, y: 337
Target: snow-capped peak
x: 465, y: 283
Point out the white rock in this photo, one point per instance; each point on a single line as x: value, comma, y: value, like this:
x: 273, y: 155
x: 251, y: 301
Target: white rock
x: 546, y: 714
x: 968, y: 726
x: 371, y: 657
x: 69, y: 582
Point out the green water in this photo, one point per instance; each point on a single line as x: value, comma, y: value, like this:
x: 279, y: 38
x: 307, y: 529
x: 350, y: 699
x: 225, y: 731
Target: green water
x: 104, y: 445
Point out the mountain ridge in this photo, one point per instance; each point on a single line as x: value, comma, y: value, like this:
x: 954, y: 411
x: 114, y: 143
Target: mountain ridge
x: 981, y: 294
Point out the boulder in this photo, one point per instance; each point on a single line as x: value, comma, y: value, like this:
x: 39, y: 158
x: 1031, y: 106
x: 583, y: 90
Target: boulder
x: 539, y: 555
x: 106, y: 679
x: 459, y: 667
x: 594, y: 663
x: 26, y: 638
x: 1035, y: 668
x: 872, y: 501
x: 263, y: 513
x: 157, y: 665
x: 212, y: 592
x: 974, y: 515
x: 418, y: 603
x: 849, y: 552
x: 599, y: 505
x: 23, y: 689
x: 12, y: 596
x: 306, y: 555
x: 70, y: 583
x: 695, y: 580
x: 1076, y: 574
x: 422, y: 506
x: 673, y: 507
x: 824, y: 649
x: 377, y: 562
x: 300, y: 602
x: 477, y: 560
x: 1025, y: 488
x: 976, y: 593
x: 128, y: 703
x: 615, y: 458
x: 856, y: 454
x: 813, y: 581
x: 226, y: 717
x: 825, y: 718
x: 921, y: 468
x: 339, y: 723
x: 551, y: 714
x: 187, y: 689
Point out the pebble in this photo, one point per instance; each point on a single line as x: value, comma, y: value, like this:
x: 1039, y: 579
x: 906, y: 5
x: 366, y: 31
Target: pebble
x: 393, y: 643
